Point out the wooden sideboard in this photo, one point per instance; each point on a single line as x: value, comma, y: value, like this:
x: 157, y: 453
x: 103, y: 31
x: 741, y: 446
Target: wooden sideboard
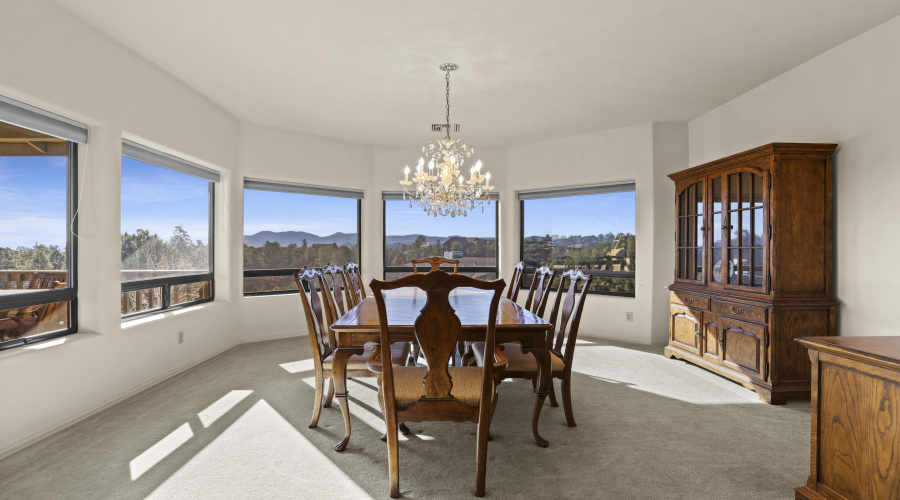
x: 753, y: 265
x: 855, y: 418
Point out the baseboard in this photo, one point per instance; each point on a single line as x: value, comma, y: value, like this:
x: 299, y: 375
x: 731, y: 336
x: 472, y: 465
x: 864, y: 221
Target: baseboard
x: 626, y: 340
x: 116, y: 400
x: 273, y: 336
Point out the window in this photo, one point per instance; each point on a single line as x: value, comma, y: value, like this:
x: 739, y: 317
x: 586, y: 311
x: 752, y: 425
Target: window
x: 290, y: 226
x: 590, y: 227
x: 38, y: 193
x: 410, y: 233
x: 167, y: 231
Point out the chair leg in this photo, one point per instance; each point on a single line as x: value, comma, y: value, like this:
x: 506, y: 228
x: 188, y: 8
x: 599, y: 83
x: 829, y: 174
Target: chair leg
x: 415, y: 353
x: 566, y: 387
x: 317, y: 408
x: 493, y: 409
x: 330, y: 395
x: 484, y: 427
x: 393, y: 454
x: 534, y: 380
x: 553, y: 402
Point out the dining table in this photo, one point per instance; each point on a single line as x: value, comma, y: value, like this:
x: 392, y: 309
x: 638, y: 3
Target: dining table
x: 514, y: 324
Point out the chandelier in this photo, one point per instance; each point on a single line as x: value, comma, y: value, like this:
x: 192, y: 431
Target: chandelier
x: 442, y: 190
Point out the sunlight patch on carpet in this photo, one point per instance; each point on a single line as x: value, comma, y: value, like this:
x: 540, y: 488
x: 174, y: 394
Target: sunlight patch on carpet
x: 261, y: 455
x: 221, y: 407
x: 163, y: 448
x: 304, y: 365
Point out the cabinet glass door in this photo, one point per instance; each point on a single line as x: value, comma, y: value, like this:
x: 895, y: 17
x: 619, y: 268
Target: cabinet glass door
x: 689, y: 232
x: 716, y: 238
x: 744, y: 233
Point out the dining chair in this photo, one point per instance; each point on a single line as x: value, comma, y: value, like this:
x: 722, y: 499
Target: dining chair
x: 319, y: 317
x: 435, y: 263
x: 438, y: 392
x: 354, y: 282
x: 516, y: 282
x: 339, y: 290
x: 538, y: 294
x: 562, y: 349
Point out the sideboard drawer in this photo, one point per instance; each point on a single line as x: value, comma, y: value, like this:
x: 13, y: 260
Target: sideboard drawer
x: 743, y: 311
x: 693, y: 301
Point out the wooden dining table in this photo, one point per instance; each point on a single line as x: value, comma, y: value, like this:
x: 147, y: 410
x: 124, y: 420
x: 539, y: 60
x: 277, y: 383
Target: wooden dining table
x: 514, y: 324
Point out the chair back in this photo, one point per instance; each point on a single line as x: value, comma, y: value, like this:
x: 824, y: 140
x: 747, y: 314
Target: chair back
x: 516, y: 282
x: 354, y: 282
x: 435, y: 263
x: 540, y: 290
x: 571, y: 306
x: 336, y: 280
x: 317, y: 307
x: 437, y: 330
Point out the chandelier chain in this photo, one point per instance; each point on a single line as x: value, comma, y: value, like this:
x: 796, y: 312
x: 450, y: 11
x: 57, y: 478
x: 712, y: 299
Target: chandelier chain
x: 448, y: 103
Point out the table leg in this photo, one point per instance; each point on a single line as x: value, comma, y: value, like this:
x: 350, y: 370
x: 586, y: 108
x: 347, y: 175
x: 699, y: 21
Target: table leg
x: 542, y: 355
x: 339, y: 374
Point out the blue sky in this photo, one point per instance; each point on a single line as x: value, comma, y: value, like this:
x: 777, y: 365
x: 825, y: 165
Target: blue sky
x: 32, y: 201
x: 158, y: 199
x: 400, y: 219
x: 320, y: 215
x: 581, y: 215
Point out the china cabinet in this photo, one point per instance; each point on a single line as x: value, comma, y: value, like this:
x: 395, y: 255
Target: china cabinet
x: 753, y: 265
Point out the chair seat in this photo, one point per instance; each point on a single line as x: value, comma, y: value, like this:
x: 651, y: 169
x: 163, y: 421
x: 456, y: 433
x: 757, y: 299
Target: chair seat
x: 409, y: 384
x: 518, y: 361
x: 399, y: 353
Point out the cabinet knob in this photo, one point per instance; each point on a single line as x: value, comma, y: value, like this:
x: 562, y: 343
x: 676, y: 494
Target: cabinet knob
x: 739, y: 310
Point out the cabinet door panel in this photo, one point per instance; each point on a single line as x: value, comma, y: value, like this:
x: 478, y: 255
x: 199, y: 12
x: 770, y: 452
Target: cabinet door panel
x: 744, y: 348
x: 712, y: 338
x: 690, y: 231
x: 684, y: 328
x: 744, y: 230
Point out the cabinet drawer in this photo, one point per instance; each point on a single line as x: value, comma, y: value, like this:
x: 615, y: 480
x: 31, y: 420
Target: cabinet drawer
x: 743, y: 311
x: 688, y: 300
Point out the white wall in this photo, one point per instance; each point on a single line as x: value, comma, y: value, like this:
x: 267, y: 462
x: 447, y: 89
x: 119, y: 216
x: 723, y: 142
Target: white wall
x: 848, y: 96
x: 60, y: 64
x: 642, y: 153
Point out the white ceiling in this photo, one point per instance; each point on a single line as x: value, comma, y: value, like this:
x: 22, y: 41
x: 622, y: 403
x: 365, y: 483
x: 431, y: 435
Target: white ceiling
x: 367, y: 71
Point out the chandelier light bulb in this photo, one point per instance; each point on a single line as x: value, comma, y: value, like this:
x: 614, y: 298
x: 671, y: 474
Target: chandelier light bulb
x: 406, y: 173
x: 477, y: 165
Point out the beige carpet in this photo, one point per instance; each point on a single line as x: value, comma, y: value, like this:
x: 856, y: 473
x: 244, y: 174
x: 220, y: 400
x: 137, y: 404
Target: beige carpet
x: 236, y: 427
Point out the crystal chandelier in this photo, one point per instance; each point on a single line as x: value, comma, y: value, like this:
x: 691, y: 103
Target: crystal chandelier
x: 445, y: 192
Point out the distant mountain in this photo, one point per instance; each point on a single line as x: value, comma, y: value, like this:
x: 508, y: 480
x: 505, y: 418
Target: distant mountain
x: 406, y: 239
x: 285, y: 238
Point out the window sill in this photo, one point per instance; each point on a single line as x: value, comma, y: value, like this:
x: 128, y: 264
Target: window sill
x: 50, y: 344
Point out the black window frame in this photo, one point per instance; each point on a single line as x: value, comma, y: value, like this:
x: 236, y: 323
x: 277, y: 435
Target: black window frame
x: 526, y: 284
x: 289, y: 271
x: 166, y: 283
x: 410, y: 269
x: 68, y: 294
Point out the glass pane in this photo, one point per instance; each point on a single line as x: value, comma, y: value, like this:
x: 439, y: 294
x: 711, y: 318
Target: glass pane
x: 165, y: 222
x: 735, y: 229
x: 716, y: 230
x: 758, y: 266
x: 746, y: 227
x: 683, y: 232
x: 33, y: 223
x: 733, y: 186
x: 148, y: 299
x: 691, y: 200
x: 411, y: 234
x: 269, y: 284
x: 698, y: 223
x: 683, y: 271
x: 717, y: 194
x: 717, y: 265
x: 291, y: 230
x: 733, y: 263
x: 698, y: 192
x: 745, y: 267
x: 190, y: 292
x: 745, y: 189
x: 758, y: 234
x: 692, y: 232
x: 757, y: 190
x: 33, y: 320
x: 698, y: 265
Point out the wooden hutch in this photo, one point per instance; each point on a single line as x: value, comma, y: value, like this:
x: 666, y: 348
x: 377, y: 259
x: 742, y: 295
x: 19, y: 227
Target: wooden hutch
x: 753, y: 266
